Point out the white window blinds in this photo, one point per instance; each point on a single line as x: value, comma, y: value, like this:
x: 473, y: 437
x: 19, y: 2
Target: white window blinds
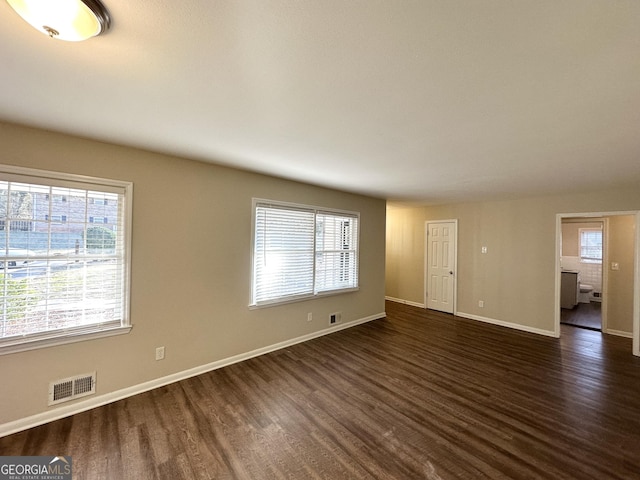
x: 591, y: 245
x: 61, y: 278
x: 301, y: 251
x: 283, y: 253
x: 336, y: 251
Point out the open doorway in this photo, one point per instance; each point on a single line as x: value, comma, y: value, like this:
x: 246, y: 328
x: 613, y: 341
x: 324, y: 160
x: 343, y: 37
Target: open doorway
x: 581, y: 286
x: 620, y: 292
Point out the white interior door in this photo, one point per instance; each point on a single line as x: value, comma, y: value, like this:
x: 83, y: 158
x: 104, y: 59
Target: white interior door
x: 441, y: 265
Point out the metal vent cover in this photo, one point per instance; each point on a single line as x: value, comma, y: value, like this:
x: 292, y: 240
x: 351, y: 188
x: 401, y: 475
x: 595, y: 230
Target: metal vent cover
x: 71, y: 388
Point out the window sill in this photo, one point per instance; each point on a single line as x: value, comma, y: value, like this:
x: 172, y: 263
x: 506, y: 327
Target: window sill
x: 301, y: 298
x: 592, y: 262
x: 62, y: 338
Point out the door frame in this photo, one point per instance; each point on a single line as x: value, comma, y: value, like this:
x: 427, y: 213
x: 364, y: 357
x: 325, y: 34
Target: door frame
x: 605, y: 268
x: 455, y: 261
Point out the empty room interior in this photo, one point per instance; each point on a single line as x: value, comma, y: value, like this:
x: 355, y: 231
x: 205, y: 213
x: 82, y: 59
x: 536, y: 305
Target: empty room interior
x: 300, y: 239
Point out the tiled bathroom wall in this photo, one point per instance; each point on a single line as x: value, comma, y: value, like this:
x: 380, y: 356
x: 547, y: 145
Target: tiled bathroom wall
x: 590, y: 273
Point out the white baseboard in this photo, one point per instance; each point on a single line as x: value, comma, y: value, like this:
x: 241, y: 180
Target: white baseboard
x: 516, y: 326
x: 405, y: 302
x: 619, y: 333
x: 82, y: 406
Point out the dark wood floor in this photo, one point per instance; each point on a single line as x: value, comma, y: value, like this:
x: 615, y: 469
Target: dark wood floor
x: 583, y: 315
x: 418, y: 395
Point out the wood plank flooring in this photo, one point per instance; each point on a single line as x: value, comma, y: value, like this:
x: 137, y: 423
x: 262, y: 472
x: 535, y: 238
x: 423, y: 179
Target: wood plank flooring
x: 418, y: 395
x: 583, y: 315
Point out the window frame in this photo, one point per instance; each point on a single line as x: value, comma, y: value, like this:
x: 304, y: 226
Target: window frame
x: 583, y: 259
x: 313, y: 294
x: 49, y: 178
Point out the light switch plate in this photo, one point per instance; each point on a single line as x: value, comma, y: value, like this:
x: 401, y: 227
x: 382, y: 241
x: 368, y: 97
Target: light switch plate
x: 160, y: 353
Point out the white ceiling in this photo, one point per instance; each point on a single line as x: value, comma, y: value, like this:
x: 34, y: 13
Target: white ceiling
x: 421, y: 101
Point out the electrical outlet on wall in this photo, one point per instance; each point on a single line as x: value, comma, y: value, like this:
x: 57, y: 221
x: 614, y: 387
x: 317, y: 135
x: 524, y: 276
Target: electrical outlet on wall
x: 481, y: 303
x: 160, y: 353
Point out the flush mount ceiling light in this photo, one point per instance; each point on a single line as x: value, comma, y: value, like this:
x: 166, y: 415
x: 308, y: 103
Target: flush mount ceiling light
x: 71, y: 20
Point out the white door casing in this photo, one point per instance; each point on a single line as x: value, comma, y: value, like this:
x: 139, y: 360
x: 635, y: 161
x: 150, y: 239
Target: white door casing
x: 440, y: 257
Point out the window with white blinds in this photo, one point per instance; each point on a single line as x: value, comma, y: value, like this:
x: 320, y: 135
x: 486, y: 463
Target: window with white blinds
x: 63, y: 277
x: 590, y: 245
x: 336, y: 251
x: 301, y: 251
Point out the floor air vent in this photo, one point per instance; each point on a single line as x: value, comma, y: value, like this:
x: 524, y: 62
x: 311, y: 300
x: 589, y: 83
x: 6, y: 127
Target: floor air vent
x: 72, y: 388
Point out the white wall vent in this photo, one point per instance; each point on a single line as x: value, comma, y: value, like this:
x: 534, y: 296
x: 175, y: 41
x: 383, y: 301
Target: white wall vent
x: 72, y: 388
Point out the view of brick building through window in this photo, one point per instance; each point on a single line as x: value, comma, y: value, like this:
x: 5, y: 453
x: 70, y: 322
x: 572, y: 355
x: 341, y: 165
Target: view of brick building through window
x: 53, y: 218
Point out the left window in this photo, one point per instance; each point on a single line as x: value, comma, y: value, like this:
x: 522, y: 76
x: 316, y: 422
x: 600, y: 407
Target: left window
x: 63, y: 276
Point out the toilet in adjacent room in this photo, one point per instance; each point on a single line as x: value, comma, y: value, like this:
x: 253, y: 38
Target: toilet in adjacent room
x: 585, y: 293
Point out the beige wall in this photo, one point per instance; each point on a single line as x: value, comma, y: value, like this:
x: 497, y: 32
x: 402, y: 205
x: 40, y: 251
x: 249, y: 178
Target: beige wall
x: 516, y: 277
x: 190, y: 268
x: 619, y: 294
